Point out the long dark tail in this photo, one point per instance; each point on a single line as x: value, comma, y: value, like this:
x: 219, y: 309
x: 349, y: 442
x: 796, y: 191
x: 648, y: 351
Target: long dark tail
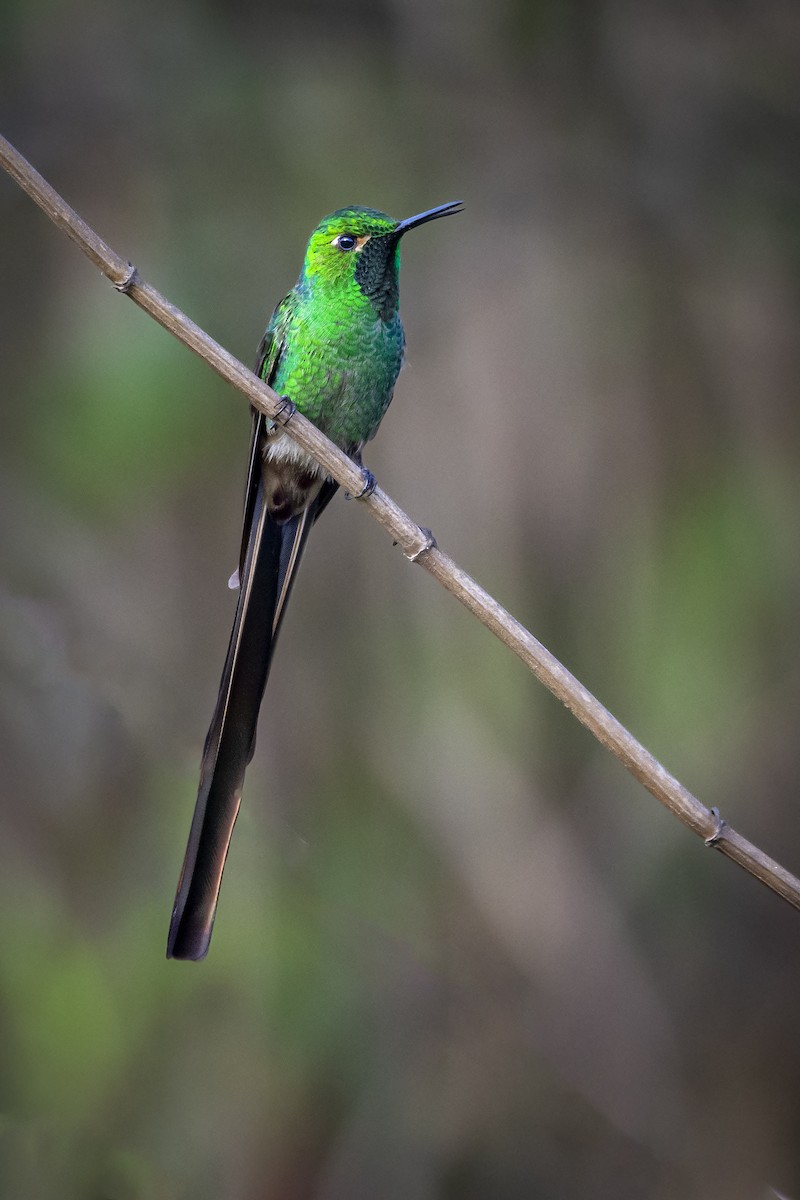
x: 271, y: 559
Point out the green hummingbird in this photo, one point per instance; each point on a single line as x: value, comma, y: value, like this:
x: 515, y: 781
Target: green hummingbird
x: 333, y: 348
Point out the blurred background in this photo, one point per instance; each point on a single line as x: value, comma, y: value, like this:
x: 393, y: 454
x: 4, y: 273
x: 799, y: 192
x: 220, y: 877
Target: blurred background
x: 460, y: 954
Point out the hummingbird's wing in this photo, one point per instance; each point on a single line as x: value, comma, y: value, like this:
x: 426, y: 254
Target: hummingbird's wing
x: 269, y: 558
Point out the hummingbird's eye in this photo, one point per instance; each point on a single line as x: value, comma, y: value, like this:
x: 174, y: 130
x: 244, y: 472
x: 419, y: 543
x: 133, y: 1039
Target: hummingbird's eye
x: 345, y: 241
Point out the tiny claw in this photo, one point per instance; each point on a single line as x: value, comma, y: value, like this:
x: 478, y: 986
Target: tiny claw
x: 370, y: 483
x: 285, y: 412
x: 430, y: 544
x: 234, y: 582
x: 719, y: 829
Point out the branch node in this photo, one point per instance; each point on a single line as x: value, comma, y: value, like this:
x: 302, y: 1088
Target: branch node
x: 428, y: 544
x: 130, y: 277
x: 720, y: 825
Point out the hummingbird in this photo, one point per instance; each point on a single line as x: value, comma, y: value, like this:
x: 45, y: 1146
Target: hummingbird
x: 333, y: 349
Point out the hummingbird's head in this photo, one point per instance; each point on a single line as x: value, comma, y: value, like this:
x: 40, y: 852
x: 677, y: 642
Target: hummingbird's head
x: 361, y: 246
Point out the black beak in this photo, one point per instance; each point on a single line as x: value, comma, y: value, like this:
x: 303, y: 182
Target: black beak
x: 444, y: 210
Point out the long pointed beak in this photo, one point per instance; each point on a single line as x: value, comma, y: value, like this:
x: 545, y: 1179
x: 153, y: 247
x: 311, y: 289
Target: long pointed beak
x: 444, y: 210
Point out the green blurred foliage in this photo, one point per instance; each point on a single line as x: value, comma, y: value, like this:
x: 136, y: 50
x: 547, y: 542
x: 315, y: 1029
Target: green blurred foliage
x: 459, y: 952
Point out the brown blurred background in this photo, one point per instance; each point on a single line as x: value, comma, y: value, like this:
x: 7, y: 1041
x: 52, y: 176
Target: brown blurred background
x: 459, y: 954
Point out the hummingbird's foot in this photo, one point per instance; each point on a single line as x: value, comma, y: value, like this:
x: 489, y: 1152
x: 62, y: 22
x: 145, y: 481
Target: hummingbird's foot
x: 719, y: 828
x: 370, y: 483
x: 285, y: 412
x: 428, y: 544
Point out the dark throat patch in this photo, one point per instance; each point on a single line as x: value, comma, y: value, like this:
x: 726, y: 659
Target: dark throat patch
x: 376, y: 274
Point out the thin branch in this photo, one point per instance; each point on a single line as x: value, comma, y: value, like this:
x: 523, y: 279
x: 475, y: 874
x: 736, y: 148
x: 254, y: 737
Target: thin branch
x: 417, y: 543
